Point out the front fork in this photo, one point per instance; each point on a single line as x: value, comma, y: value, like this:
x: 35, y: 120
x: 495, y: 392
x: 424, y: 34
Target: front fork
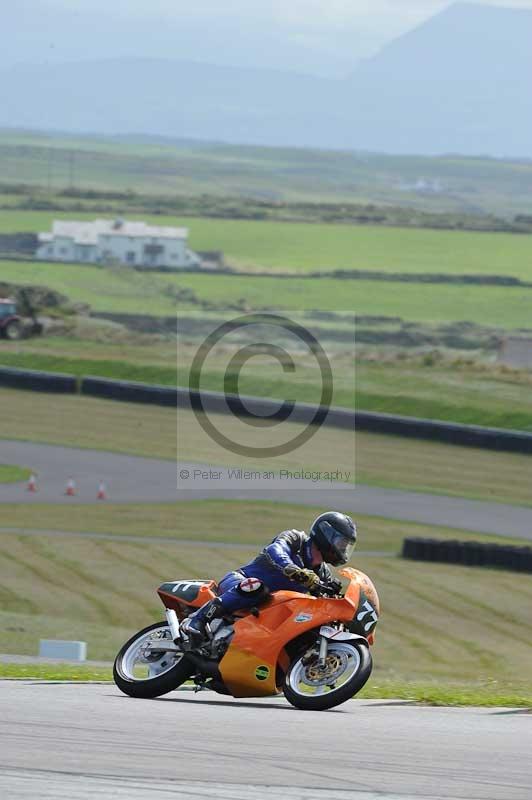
x: 328, y: 632
x: 323, y: 651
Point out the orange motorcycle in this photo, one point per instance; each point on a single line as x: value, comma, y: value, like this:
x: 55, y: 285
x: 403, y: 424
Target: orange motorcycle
x: 314, y: 648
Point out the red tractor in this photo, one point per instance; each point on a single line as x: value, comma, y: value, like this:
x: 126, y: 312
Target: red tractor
x: 12, y: 325
x: 10, y: 322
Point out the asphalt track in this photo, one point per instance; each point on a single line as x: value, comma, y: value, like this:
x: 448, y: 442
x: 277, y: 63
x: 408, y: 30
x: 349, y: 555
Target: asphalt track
x: 131, y: 479
x: 83, y: 741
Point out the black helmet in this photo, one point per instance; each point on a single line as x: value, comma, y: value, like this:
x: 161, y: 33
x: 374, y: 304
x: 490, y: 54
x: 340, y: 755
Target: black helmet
x: 335, y: 536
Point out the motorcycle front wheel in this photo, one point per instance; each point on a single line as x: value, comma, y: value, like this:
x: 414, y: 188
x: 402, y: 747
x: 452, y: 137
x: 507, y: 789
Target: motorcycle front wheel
x: 139, y: 672
x: 346, y: 670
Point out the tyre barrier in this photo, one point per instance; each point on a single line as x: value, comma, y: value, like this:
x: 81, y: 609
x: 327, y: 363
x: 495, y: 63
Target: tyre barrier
x: 129, y: 391
x: 469, y: 554
x: 412, y: 427
x: 38, y: 381
x: 446, y: 432
x: 218, y: 402
x: 246, y: 405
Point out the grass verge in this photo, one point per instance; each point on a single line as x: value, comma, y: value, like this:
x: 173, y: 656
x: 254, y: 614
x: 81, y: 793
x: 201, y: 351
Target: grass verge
x: 55, y: 672
x: 245, y: 523
x: 488, y: 694
x: 10, y: 473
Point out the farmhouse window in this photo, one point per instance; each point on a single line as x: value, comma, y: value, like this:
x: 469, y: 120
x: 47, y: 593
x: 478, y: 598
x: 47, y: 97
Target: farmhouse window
x: 153, y: 249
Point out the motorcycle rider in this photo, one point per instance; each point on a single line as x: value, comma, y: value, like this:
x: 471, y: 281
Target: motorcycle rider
x: 293, y: 561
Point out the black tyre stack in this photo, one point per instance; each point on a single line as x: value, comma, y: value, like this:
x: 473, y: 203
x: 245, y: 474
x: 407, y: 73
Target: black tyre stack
x: 469, y: 554
x: 38, y: 381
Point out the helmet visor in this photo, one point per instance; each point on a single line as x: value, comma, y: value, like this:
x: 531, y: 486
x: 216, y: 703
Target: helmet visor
x: 340, y: 547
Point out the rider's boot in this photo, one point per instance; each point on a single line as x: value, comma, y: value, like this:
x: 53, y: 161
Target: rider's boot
x: 194, y: 625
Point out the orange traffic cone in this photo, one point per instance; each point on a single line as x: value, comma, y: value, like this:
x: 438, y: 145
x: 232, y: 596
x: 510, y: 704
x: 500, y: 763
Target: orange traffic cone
x: 102, y: 492
x: 70, y: 487
x: 32, y: 484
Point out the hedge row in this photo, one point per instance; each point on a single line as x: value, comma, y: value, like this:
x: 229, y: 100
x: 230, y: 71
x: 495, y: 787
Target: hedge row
x: 469, y: 554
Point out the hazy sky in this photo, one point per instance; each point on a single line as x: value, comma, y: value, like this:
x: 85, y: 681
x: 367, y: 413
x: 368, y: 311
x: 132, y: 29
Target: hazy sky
x: 321, y: 36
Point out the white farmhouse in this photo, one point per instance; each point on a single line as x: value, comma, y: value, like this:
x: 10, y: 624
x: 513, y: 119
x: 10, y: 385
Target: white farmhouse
x: 105, y: 242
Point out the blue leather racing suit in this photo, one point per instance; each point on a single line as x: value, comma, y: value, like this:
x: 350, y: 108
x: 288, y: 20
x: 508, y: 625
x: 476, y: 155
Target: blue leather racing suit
x: 288, y: 548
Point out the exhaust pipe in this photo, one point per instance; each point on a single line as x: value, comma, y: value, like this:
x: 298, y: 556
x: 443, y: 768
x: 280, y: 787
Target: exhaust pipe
x: 206, y: 666
x: 173, y: 624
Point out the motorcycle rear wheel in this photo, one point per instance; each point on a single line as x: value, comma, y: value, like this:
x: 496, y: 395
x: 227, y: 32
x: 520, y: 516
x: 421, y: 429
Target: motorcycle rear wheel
x: 164, y: 672
x: 349, y: 666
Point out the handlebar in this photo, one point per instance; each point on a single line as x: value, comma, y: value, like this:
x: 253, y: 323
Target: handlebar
x: 327, y: 589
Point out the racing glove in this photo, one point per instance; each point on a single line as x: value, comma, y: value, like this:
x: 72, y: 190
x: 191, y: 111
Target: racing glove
x: 306, y: 577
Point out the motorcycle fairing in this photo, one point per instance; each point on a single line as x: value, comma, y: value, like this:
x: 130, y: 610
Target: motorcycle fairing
x: 178, y: 594
x: 259, y: 643
x: 340, y: 636
x: 362, y: 593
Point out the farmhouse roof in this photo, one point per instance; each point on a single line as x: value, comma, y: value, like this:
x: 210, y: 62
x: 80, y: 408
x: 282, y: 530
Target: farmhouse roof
x: 89, y: 232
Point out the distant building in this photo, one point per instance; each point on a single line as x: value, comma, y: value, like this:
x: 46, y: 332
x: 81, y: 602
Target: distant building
x: 516, y: 352
x: 106, y: 242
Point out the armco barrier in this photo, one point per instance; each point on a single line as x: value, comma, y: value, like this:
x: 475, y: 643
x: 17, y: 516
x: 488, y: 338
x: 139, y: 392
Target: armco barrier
x: 38, y: 381
x: 469, y: 554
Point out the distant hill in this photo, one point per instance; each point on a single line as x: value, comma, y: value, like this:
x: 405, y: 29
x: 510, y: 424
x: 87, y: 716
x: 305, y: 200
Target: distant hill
x: 170, y: 98
x: 458, y: 83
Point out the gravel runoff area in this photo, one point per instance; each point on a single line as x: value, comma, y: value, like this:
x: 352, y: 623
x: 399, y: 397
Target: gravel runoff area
x: 80, y: 741
x: 130, y: 479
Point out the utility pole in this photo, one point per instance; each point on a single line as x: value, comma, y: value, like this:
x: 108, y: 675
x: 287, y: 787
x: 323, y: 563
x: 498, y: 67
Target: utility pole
x: 71, y: 166
x: 50, y: 168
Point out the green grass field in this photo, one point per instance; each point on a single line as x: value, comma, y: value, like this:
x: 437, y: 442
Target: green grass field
x: 126, y: 291
x: 11, y: 474
x: 433, y: 617
x: 151, y: 431
x: 507, y: 307
x: 242, y: 524
x: 279, y: 174
x: 454, y: 390
x: 303, y: 247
